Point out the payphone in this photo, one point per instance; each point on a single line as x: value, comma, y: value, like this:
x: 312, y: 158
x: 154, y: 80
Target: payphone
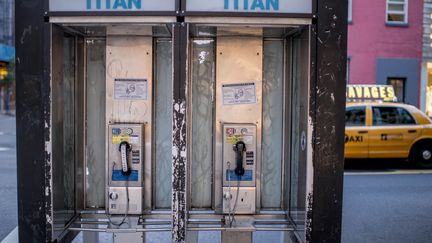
x: 125, y: 168
x: 239, y: 163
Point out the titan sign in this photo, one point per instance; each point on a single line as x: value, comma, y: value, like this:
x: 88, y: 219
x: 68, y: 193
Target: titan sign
x: 267, y: 6
x: 111, y: 5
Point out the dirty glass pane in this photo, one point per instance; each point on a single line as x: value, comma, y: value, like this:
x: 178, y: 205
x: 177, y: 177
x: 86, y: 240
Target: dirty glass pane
x: 203, y: 79
x: 299, y: 122
x: 63, y: 129
x: 163, y: 124
x: 272, y: 124
x: 95, y: 134
x: 69, y: 123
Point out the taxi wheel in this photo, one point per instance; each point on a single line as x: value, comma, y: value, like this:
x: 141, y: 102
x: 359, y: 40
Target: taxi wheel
x: 423, y: 155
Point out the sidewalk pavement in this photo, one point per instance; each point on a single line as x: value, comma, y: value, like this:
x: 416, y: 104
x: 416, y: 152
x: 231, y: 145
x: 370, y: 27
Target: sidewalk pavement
x: 8, y: 113
x: 12, y: 237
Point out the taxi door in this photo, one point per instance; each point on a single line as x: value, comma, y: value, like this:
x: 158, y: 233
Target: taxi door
x: 392, y: 132
x: 356, y: 134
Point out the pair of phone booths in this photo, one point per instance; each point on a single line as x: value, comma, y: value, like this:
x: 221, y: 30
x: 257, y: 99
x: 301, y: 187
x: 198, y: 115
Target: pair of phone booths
x: 182, y: 123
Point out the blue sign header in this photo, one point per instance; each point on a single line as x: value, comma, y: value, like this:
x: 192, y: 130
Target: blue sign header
x: 110, y: 5
x: 267, y: 6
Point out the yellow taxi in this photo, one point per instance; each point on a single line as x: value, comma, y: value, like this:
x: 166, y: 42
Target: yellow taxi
x: 388, y: 130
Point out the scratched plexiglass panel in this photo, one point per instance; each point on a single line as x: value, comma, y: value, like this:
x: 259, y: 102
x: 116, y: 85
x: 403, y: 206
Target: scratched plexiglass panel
x: 95, y: 134
x: 299, y: 119
x: 63, y: 128
x: 203, y: 79
x: 163, y: 124
x: 272, y: 124
x: 69, y: 123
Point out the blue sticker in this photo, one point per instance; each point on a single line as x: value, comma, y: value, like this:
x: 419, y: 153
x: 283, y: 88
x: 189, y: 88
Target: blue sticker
x: 230, y: 175
x: 118, y: 176
x: 116, y: 131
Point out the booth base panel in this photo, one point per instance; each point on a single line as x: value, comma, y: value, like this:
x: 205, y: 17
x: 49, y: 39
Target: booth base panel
x: 117, y: 200
x: 128, y: 237
x: 245, y: 204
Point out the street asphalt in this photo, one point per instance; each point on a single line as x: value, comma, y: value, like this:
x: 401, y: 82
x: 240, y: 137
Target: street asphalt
x: 383, y: 201
x: 387, y: 208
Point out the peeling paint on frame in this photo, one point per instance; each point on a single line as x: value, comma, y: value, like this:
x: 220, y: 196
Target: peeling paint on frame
x: 179, y: 138
x: 179, y: 152
x: 48, y: 155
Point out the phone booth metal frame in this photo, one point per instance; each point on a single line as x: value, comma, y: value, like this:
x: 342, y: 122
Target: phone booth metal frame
x: 35, y: 27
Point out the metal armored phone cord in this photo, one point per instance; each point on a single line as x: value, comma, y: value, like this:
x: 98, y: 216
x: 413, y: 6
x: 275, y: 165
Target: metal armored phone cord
x: 230, y: 197
x: 231, y: 214
x: 239, y: 172
x: 127, y: 204
x: 237, y: 196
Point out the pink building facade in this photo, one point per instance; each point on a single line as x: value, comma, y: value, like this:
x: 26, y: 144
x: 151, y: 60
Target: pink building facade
x: 385, y: 45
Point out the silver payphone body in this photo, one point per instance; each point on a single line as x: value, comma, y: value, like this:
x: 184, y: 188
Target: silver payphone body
x: 239, y: 168
x: 125, y: 168
x: 238, y: 120
x: 128, y: 99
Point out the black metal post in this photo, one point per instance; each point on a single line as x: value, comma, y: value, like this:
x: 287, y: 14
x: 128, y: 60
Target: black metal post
x: 179, y: 137
x: 329, y: 37
x: 33, y: 121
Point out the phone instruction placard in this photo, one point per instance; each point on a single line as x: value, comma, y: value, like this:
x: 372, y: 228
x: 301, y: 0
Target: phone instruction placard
x: 238, y: 94
x: 132, y: 139
x: 130, y: 89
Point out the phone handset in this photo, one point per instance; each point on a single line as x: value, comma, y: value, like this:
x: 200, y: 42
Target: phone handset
x: 239, y: 148
x: 124, y: 149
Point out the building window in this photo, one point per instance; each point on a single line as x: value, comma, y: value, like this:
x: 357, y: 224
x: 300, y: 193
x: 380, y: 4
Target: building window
x: 397, y: 12
x: 399, y: 87
x: 349, y: 11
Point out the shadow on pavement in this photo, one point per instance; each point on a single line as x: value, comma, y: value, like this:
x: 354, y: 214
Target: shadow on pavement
x: 378, y: 165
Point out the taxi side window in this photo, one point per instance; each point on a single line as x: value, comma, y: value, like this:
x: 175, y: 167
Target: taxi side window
x: 355, y: 116
x: 391, y: 116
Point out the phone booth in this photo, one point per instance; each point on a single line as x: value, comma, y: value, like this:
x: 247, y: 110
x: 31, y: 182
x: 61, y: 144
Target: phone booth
x: 180, y: 120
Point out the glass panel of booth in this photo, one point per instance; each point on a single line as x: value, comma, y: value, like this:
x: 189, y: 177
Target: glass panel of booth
x: 63, y: 129
x: 299, y: 128
x: 95, y: 116
x: 202, y: 80
x: 273, y: 112
x: 163, y: 123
